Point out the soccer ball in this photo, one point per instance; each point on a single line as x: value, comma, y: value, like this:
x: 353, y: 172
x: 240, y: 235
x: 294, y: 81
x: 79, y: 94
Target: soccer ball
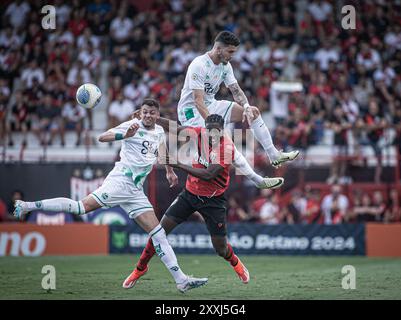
x: 88, y: 95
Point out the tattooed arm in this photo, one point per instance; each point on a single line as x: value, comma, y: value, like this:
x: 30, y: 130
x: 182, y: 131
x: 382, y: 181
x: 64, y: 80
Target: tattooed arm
x: 241, y: 99
x: 238, y: 94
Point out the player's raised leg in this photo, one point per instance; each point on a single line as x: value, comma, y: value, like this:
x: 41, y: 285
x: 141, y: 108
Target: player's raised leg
x: 224, y: 249
x: 262, y: 134
x: 149, y: 223
x: 56, y: 204
x: 261, y: 182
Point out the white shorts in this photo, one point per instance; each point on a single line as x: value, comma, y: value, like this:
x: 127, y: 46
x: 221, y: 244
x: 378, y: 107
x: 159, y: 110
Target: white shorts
x: 119, y: 189
x: 190, y: 116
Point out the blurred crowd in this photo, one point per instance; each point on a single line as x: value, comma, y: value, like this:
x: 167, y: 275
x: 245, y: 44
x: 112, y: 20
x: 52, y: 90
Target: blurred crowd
x: 333, y: 205
x: 351, y: 78
x: 314, y: 205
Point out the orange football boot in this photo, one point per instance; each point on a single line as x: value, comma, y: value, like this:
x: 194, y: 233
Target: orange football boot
x: 242, y: 272
x: 133, y: 278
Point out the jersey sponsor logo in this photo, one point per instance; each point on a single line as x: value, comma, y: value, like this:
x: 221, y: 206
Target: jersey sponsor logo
x: 202, y: 161
x: 208, y: 88
x: 149, y: 147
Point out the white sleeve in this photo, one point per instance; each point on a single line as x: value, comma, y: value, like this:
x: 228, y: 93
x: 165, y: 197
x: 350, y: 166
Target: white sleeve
x: 229, y: 78
x: 123, y: 127
x: 196, y: 76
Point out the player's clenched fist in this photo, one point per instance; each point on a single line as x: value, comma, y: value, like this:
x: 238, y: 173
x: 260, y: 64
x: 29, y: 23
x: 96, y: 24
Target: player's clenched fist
x: 132, y: 130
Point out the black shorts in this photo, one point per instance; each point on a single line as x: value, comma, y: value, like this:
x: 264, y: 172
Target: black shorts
x: 213, y: 211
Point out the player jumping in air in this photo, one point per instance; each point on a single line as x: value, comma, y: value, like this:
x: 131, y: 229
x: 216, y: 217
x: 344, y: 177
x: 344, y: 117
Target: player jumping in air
x: 197, y: 101
x: 141, y: 142
x: 208, y: 179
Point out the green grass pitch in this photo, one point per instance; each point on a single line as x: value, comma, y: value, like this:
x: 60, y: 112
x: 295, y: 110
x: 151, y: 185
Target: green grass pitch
x: 96, y: 277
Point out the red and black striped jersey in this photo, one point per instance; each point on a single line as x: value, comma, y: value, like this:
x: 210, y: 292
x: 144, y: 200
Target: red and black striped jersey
x: 222, y: 154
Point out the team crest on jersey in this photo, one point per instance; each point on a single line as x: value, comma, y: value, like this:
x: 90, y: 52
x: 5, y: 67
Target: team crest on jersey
x: 224, y: 75
x: 141, y: 133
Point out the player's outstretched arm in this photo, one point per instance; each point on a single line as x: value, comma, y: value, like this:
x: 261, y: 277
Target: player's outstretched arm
x: 110, y: 135
x: 170, y: 174
x: 206, y: 174
x: 170, y: 126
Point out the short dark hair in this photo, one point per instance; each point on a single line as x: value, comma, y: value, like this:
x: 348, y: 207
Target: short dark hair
x: 151, y: 102
x: 227, y: 38
x: 215, y: 118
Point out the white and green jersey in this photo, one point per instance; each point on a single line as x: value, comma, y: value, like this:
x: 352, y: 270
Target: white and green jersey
x: 139, y: 153
x: 203, y: 74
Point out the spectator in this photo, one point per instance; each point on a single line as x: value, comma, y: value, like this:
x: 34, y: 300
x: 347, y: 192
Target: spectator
x: 320, y: 10
x: 235, y: 212
x: 88, y: 39
x: 90, y: 58
x: 17, y: 12
x: 120, y: 110
x: 326, y: 54
x: 63, y: 12
x: 334, y: 206
x: 374, y: 124
x: 269, y: 212
x: 78, y: 23
x: 78, y: 74
x: 340, y: 126
x: 4, y: 99
x: 124, y: 71
x: 368, y: 59
x: 10, y: 39
x: 247, y: 57
x: 393, y: 211
x: 368, y: 211
x: 32, y: 72
x: 285, y: 29
x: 178, y: 60
x: 120, y: 30
x: 73, y: 118
x: 20, y: 117
x: 49, y: 121
x: 136, y: 91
